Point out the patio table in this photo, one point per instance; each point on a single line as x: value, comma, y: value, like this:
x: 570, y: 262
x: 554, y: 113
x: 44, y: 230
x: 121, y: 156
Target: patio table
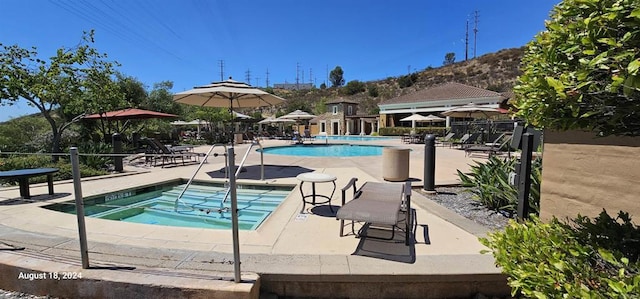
x: 23, y: 175
x: 314, y: 178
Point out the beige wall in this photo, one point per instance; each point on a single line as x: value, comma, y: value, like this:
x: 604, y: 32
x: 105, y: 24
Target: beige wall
x: 582, y: 174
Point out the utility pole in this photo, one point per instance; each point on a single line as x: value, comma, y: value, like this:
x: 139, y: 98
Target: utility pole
x: 475, y: 33
x: 466, y: 42
x: 248, y: 76
x: 408, y: 69
x: 310, y: 75
x: 267, y: 78
x: 221, y: 65
x: 297, y: 76
x: 257, y: 82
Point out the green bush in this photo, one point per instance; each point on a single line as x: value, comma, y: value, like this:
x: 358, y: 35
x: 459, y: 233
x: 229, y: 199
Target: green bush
x: 580, y: 260
x: 354, y: 87
x: 95, y: 162
x: 489, y: 182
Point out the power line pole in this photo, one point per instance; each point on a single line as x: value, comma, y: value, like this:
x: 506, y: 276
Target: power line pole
x: 248, y: 76
x: 297, y: 76
x: 466, y: 42
x: 257, y: 82
x: 475, y: 33
x: 221, y: 65
x: 310, y: 75
x: 267, y: 77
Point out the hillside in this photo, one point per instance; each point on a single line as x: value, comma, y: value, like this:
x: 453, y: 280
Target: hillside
x: 494, y: 71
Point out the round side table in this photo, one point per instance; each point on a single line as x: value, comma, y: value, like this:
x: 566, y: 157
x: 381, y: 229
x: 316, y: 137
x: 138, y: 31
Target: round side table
x: 313, y: 178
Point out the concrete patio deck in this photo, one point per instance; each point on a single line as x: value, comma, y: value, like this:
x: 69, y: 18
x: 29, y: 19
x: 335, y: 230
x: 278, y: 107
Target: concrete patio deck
x: 290, y: 254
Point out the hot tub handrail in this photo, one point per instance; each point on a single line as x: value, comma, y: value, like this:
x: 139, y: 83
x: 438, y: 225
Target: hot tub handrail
x: 196, y: 172
x: 244, y: 159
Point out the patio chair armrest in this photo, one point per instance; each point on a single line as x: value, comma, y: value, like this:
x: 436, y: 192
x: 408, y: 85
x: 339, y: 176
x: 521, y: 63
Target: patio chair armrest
x: 351, y: 183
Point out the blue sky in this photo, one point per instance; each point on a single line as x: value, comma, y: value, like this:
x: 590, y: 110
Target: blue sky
x: 187, y: 41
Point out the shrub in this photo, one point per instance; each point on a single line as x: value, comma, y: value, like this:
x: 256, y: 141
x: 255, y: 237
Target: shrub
x: 489, y: 182
x: 558, y: 260
x: 95, y: 162
x: 354, y: 87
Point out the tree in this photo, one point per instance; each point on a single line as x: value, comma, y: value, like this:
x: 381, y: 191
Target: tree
x: 69, y: 84
x: 336, y: 76
x: 449, y: 58
x: 354, y: 87
x: 582, y: 72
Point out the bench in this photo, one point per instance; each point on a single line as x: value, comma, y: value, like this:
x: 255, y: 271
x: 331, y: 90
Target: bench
x: 378, y: 204
x: 23, y: 175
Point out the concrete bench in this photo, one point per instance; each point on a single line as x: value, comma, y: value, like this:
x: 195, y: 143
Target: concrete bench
x: 23, y: 175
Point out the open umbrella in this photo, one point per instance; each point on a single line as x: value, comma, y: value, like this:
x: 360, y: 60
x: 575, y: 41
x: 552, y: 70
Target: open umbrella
x: 298, y: 115
x: 472, y: 110
x: 413, y: 118
x: 230, y: 94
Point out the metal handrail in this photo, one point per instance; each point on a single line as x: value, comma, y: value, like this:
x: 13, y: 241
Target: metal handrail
x: 244, y: 159
x: 196, y: 172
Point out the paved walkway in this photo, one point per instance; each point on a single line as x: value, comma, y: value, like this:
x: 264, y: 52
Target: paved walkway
x: 287, y: 243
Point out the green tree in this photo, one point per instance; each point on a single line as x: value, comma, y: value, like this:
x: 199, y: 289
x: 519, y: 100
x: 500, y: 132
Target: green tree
x: 449, y: 58
x: 60, y: 89
x: 582, y: 72
x: 336, y: 76
x: 354, y: 87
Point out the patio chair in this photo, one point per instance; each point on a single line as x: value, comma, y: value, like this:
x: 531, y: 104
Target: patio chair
x: 379, y: 204
x: 491, y: 148
x: 307, y: 136
x: 471, y: 139
x: 171, y: 156
x: 446, y: 139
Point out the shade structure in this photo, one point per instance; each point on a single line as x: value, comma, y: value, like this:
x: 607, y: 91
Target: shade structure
x: 414, y: 117
x: 229, y: 93
x: 238, y: 115
x: 273, y: 120
x: 298, y: 115
x: 129, y: 113
x: 472, y: 111
x: 433, y: 119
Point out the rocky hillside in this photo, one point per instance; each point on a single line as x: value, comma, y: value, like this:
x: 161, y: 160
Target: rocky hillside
x: 495, y: 71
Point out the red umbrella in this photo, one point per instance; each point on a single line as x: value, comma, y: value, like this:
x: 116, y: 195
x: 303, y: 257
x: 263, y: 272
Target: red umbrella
x: 129, y: 113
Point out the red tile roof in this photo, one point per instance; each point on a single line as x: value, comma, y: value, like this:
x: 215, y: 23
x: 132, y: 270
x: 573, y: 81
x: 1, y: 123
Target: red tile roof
x: 446, y: 91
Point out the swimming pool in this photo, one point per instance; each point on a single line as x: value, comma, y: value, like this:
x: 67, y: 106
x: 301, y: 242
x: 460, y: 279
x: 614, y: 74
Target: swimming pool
x: 200, y: 206
x: 353, y: 137
x: 325, y: 150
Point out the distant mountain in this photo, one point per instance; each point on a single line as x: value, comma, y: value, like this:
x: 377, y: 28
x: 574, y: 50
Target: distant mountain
x: 494, y: 71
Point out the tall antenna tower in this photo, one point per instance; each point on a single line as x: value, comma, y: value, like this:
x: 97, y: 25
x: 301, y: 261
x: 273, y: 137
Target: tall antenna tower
x: 267, y: 78
x: 310, y: 75
x: 221, y: 65
x: 475, y: 32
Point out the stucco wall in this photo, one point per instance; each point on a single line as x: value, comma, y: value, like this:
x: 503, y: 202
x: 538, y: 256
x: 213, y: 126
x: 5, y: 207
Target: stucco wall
x: 582, y: 174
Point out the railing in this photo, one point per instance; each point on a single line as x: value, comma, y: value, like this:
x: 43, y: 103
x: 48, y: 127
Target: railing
x: 244, y: 159
x: 196, y: 172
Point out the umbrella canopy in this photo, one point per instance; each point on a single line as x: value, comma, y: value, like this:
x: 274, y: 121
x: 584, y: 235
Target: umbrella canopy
x: 472, y: 111
x: 414, y: 117
x: 238, y: 115
x: 298, y: 115
x: 273, y: 120
x: 229, y: 93
x: 129, y: 113
x: 432, y: 118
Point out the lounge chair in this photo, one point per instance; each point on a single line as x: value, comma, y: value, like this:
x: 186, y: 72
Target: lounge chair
x: 381, y: 204
x: 491, y: 148
x: 168, y: 155
x: 470, y: 140
x: 446, y: 139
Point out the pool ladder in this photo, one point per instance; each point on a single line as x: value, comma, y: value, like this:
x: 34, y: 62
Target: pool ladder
x: 227, y: 167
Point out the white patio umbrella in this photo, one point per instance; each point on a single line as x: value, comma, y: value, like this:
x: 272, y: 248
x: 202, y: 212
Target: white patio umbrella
x: 472, y: 110
x: 413, y: 118
x: 433, y: 119
x: 298, y: 115
x: 230, y: 94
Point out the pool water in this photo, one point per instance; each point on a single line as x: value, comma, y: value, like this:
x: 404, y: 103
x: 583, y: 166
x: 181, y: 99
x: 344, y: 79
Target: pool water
x: 325, y: 150
x: 200, y: 206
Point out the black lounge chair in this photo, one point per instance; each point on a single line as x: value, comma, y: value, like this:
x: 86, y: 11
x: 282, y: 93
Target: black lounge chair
x: 380, y: 204
x: 498, y: 145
